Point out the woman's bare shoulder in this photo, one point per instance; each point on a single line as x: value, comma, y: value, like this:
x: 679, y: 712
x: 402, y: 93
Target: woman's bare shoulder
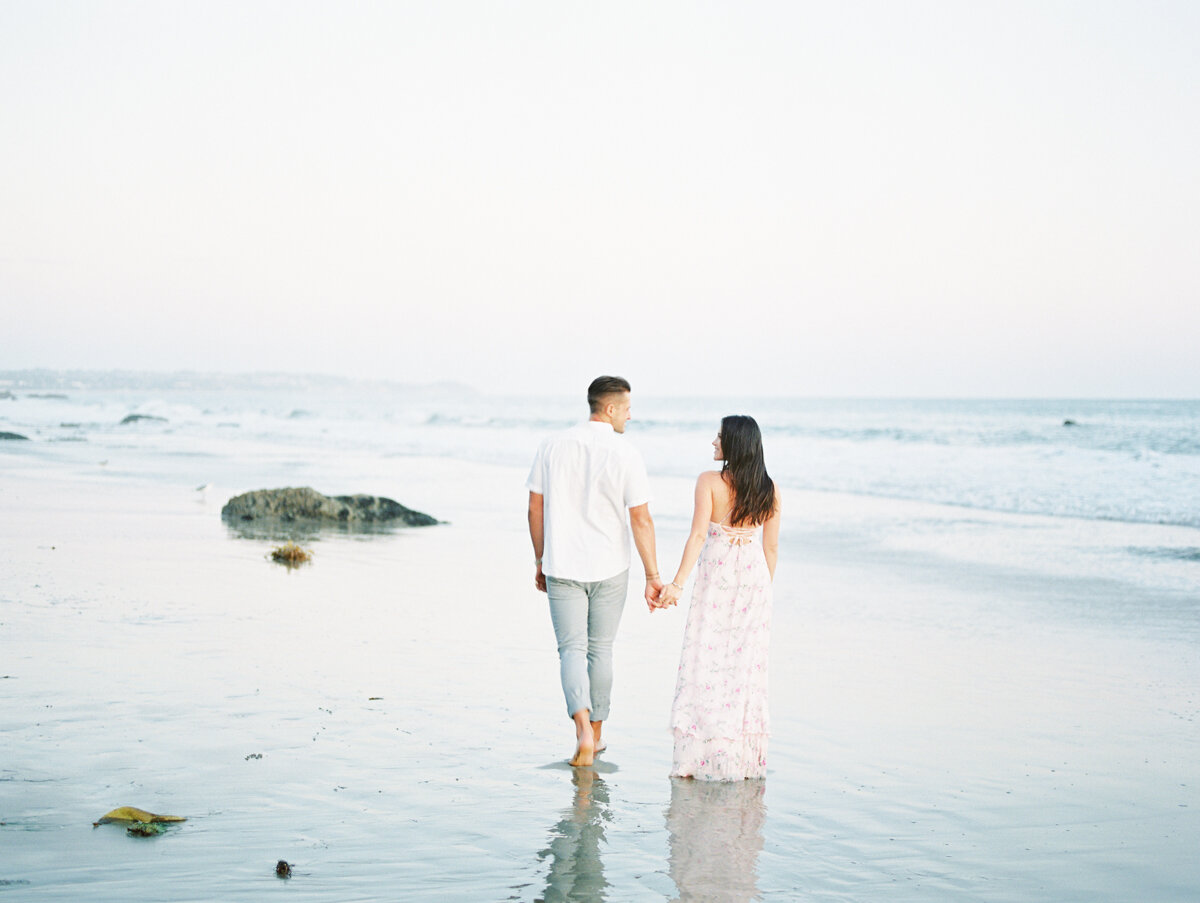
x: 710, y: 481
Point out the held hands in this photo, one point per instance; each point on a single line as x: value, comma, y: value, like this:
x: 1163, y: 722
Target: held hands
x: 654, y: 587
x: 660, y: 595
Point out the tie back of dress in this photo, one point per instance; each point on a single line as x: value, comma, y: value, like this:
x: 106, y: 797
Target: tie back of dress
x: 735, y: 536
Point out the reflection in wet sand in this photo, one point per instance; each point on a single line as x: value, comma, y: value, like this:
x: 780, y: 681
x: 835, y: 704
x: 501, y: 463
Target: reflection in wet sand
x: 715, y: 832
x: 576, y: 872
x: 276, y: 530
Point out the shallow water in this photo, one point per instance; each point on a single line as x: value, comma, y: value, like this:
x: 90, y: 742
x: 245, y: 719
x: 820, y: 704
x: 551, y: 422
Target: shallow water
x: 949, y: 723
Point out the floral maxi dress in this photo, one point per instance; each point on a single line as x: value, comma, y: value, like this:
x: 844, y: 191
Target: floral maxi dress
x: 719, y: 717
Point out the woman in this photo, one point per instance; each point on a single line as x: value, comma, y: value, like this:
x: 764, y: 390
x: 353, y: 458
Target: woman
x: 719, y: 717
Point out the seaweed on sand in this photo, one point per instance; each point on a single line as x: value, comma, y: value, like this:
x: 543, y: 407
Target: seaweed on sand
x: 135, y: 817
x: 291, y: 554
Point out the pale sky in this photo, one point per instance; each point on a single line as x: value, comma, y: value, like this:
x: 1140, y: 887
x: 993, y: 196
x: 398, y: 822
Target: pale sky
x: 893, y: 198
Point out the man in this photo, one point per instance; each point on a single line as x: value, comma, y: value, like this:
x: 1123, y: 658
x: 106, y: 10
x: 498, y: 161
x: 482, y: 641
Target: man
x: 581, y: 484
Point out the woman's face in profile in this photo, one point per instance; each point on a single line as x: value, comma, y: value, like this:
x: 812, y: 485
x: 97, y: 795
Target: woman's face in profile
x: 718, y: 455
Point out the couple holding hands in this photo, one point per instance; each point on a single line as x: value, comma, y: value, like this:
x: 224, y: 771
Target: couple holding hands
x: 582, y: 483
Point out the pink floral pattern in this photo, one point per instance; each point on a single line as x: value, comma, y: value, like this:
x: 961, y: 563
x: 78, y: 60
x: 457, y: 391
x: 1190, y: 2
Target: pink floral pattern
x: 719, y: 717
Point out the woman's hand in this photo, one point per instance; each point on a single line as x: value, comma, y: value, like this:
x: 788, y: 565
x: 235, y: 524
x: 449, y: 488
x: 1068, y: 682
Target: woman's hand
x: 670, y: 595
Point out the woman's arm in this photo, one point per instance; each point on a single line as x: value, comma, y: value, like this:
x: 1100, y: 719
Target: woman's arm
x: 701, y: 515
x: 771, y: 534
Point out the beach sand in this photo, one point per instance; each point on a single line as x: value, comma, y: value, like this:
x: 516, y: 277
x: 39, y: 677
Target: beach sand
x: 388, y: 717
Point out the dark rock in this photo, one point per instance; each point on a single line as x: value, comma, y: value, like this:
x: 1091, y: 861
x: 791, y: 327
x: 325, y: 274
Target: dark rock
x: 1070, y: 423
x: 13, y: 436
x: 287, y: 505
x: 135, y: 418
x: 283, y: 869
x: 6, y: 395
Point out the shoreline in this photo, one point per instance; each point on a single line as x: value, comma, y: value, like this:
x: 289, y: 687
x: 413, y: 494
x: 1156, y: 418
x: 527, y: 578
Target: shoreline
x: 1140, y: 554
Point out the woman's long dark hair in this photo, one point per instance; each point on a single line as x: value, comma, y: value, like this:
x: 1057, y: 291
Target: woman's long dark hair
x: 753, y: 490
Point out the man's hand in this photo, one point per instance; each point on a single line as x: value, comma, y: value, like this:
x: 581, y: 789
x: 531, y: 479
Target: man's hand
x: 539, y: 579
x: 654, y: 588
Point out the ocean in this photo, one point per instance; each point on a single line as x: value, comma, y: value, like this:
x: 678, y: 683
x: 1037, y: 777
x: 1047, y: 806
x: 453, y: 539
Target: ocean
x: 1125, y: 460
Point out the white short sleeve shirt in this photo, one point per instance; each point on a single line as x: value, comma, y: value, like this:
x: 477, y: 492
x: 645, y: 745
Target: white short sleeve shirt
x: 590, y: 476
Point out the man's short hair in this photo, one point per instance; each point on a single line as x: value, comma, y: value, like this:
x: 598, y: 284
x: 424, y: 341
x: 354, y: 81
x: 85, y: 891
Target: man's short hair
x: 602, y: 388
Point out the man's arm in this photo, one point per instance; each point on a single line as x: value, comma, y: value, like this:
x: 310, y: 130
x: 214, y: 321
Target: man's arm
x: 537, y: 533
x: 643, y: 538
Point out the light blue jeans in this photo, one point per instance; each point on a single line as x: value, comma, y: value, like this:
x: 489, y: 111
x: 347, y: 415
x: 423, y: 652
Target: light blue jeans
x: 586, y: 616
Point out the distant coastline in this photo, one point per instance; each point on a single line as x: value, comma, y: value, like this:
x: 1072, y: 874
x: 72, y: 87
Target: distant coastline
x: 46, y: 378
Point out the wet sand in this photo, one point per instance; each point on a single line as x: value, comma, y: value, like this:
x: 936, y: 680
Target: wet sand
x: 388, y: 718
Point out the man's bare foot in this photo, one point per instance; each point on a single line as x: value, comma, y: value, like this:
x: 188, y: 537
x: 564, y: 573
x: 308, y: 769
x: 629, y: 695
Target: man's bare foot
x: 585, y: 739
x: 585, y: 753
x: 601, y: 745
x: 597, y: 727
